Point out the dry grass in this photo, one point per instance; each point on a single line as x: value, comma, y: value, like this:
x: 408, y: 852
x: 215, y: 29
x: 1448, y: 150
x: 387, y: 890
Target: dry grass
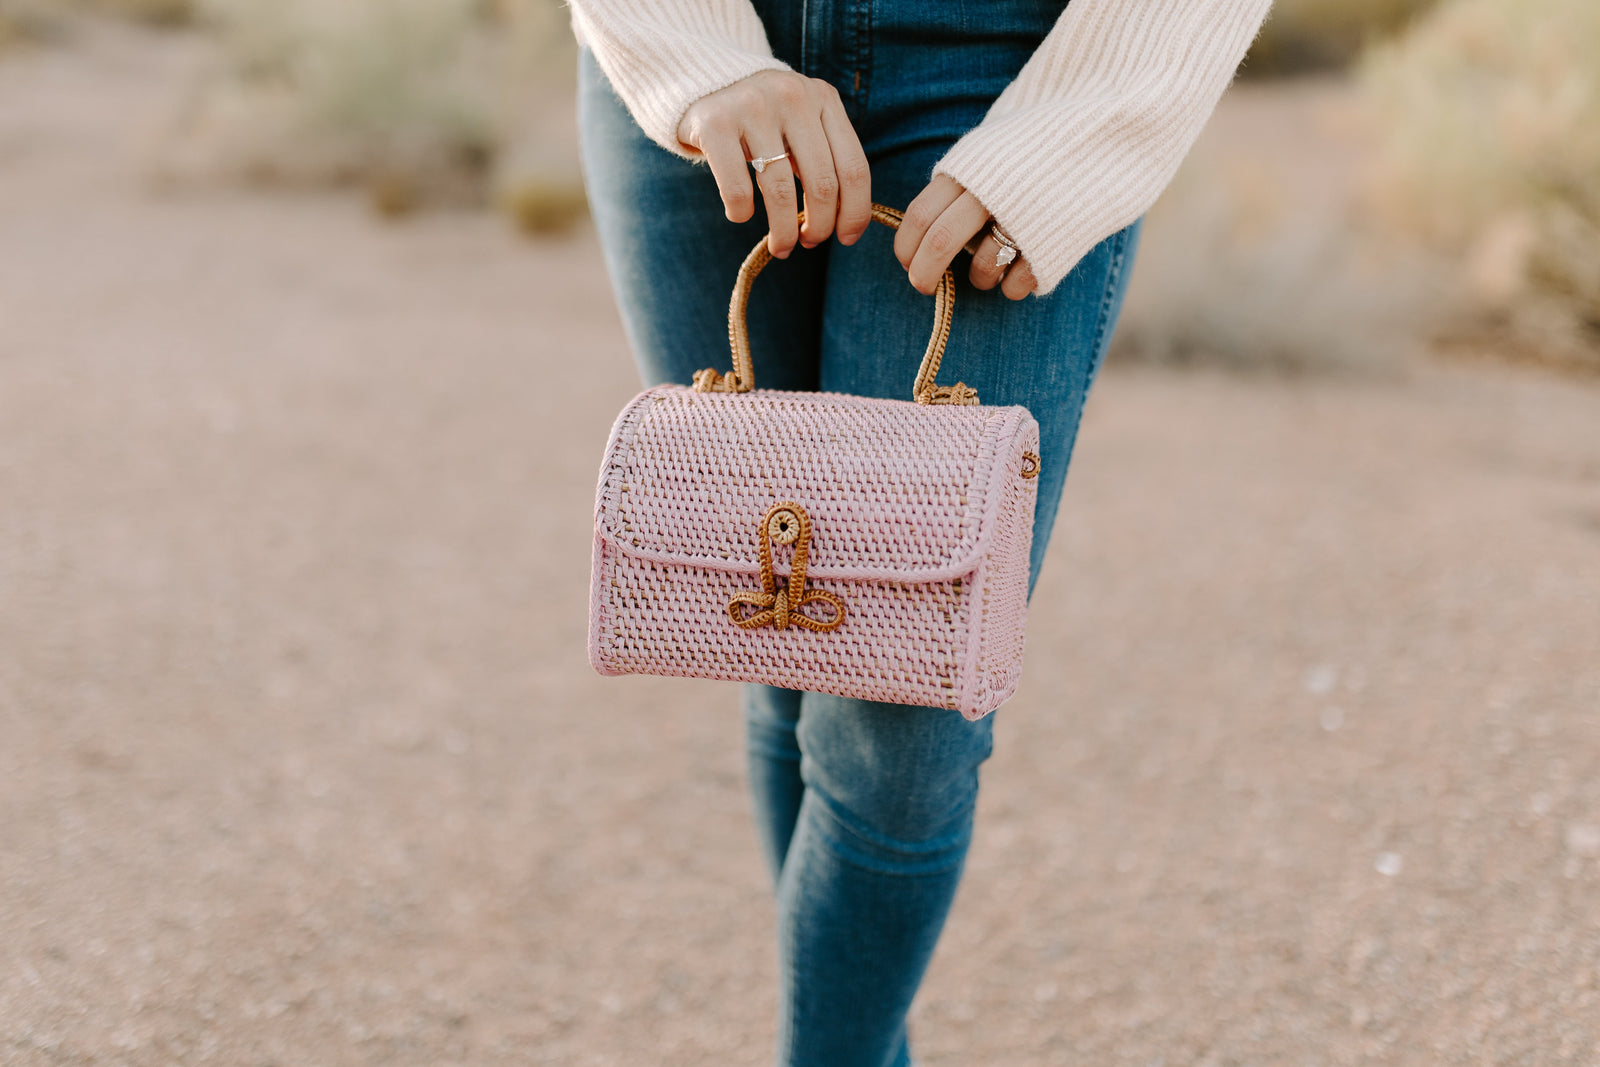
x: 1454, y: 196
x: 43, y: 19
x: 24, y: 22
x: 12, y: 32
x: 421, y: 102
x: 1257, y: 259
x: 540, y: 206
x: 1221, y: 282
x: 151, y: 12
x: 1490, y: 112
x: 361, y: 90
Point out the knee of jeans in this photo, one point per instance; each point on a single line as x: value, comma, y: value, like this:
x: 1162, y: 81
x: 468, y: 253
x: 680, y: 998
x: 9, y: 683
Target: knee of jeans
x: 892, y: 787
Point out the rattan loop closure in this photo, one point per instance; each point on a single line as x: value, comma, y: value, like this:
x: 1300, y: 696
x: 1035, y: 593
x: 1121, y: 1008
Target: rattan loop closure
x: 741, y: 379
x: 781, y: 605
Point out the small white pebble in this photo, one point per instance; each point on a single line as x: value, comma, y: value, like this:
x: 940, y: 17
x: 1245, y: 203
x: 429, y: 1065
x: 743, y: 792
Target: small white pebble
x: 1583, y: 839
x: 1541, y: 803
x: 1332, y: 718
x: 1321, y: 679
x: 1388, y: 864
x: 1045, y: 991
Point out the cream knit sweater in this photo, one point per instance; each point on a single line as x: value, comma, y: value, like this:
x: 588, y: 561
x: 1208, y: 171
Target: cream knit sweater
x: 1077, y: 147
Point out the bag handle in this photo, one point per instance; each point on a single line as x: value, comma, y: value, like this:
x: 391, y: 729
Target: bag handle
x: 742, y: 378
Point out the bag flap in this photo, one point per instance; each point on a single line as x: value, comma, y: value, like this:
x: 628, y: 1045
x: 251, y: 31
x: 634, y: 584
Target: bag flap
x: 896, y: 491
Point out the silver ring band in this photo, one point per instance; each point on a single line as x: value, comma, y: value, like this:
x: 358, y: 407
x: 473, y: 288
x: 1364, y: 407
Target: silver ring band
x: 1008, y: 249
x: 762, y: 162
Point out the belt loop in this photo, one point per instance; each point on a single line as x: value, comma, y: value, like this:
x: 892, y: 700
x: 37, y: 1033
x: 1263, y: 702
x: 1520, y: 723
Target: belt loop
x: 861, y: 49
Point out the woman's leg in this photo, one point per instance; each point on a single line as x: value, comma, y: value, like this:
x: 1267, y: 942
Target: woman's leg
x: 870, y: 847
x: 672, y: 256
x: 773, y: 758
x: 889, y: 791
x: 871, y: 871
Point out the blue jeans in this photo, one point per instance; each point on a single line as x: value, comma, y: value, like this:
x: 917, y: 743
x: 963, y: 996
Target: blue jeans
x: 865, y: 809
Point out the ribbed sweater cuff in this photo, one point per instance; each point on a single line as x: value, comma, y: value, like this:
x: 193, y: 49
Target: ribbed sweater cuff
x: 1095, y: 126
x: 1059, y: 188
x: 661, y: 58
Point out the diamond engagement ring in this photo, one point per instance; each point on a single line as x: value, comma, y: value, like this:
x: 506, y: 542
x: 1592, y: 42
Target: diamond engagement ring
x: 1008, y: 248
x: 761, y: 163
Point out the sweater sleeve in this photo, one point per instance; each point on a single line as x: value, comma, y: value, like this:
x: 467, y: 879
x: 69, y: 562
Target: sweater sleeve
x: 663, y: 55
x: 1093, y: 128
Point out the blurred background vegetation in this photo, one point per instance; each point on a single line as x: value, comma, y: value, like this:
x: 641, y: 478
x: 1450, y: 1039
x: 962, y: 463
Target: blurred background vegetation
x: 1468, y: 212
x: 1489, y: 114
x: 1317, y: 36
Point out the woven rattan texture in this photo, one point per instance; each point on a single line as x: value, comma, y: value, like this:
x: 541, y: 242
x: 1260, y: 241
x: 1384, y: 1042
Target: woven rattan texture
x: 1002, y: 584
x: 699, y: 469
x: 921, y: 523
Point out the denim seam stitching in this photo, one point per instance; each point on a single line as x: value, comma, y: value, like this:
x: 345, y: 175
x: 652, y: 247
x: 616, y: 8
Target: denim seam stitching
x: 805, y: 20
x: 1113, y: 277
x: 793, y: 1013
x: 864, y: 53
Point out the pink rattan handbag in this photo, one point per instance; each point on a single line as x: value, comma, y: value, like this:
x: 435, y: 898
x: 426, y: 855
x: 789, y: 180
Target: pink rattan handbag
x: 817, y: 541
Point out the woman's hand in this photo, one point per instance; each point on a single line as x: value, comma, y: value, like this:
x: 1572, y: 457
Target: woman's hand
x: 775, y: 111
x: 939, y: 223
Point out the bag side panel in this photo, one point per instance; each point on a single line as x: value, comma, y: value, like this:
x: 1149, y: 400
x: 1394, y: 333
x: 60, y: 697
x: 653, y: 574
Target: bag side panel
x: 899, y: 642
x: 602, y: 564
x: 1001, y: 615
x: 613, y: 464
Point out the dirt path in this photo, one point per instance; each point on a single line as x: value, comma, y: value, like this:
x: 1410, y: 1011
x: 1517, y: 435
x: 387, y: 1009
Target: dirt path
x: 302, y: 762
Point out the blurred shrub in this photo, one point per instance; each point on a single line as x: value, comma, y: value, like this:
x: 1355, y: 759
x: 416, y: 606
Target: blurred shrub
x: 541, y: 205
x: 382, y: 91
x: 31, y: 17
x: 1490, y: 112
x: 1314, y: 35
x: 153, y: 12
x: 420, y: 101
x: 1258, y: 258
x: 13, y: 31
x: 28, y: 21
x: 1221, y: 282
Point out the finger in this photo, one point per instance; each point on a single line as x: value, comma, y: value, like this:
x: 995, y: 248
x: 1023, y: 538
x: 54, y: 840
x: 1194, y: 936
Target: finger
x: 1019, y: 280
x: 921, y: 214
x: 725, y: 154
x: 776, y: 183
x: 850, y: 166
x: 952, y: 229
x: 986, y: 271
x: 813, y: 162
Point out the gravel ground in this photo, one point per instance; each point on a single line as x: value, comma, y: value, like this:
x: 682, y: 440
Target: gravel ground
x: 302, y: 763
